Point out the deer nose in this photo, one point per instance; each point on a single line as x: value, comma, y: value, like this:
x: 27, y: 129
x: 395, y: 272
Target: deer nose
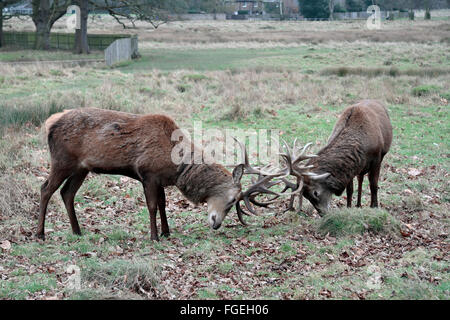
x: 213, y: 222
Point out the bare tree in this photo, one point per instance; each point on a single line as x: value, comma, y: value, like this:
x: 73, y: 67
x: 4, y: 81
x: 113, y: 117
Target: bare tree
x: 45, y: 14
x: 155, y: 12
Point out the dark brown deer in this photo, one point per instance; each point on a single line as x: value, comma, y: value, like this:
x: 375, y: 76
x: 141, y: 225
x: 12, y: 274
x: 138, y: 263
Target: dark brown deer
x: 359, y: 141
x: 111, y: 142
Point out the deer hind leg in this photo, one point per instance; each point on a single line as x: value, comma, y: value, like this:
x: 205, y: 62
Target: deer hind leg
x: 55, y: 179
x: 374, y: 175
x: 162, y: 211
x: 349, y: 189
x: 360, y: 183
x: 151, y: 197
x: 68, y: 192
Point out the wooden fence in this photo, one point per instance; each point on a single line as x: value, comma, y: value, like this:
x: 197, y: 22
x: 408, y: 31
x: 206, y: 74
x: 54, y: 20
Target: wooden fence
x: 64, y: 41
x: 121, y: 50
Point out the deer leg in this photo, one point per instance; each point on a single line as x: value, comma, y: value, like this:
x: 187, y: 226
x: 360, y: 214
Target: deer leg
x: 55, y: 179
x: 162, y: 211
x: 151, y: 197
x: 360, y: 183
x: 349, y: 194
x: 300, y: 202
x: 374, y: 174
x: 68, y: 192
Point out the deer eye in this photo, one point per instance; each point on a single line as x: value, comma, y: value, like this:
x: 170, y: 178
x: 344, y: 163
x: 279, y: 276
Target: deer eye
x: 316, y: 194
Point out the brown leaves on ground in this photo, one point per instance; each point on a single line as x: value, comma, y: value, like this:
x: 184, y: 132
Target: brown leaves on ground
x: 276, y: 257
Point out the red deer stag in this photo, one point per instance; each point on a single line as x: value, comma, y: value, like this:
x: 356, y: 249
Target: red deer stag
x: 359, y: 141
x: 112, y: 142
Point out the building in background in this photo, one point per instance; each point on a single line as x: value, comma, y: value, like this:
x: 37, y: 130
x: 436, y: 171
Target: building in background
x: 256, y: 7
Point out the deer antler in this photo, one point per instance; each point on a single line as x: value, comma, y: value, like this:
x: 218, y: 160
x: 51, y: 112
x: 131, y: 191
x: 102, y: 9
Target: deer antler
x: 261, y: 186
x: 298, y: 171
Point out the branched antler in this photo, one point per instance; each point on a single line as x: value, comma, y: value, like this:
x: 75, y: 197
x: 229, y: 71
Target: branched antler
x: 298, y: 171
x: 261, y: 186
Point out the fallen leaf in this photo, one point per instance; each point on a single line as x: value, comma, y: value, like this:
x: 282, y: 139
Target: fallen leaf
x: 325, y: 293
x: 329, y: 256
x: 414, y: 172
x: 5, y: 245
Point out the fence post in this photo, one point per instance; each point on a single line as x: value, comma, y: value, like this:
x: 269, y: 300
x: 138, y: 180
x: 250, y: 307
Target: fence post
x: 120, y: 50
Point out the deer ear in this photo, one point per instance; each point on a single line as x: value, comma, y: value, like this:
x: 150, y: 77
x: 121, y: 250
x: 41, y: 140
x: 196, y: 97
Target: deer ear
x: 237, y: 173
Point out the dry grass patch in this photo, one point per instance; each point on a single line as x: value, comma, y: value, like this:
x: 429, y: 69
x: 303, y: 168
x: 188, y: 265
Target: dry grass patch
x: 140, y: 277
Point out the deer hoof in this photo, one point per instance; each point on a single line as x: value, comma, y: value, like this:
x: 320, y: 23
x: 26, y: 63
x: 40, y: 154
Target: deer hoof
x: 40, y: 236
x: 165, y: 234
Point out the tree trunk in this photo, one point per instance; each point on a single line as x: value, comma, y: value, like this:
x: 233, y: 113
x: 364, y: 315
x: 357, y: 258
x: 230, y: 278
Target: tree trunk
x: 1, y: 24
x: 81, y: 39
x: 427, y: 10
x: 42, y: 41
x: 41, y: 17
x: 45, y: 14
x: 331, y: 8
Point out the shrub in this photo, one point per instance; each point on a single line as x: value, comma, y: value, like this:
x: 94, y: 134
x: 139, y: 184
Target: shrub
x: 355, y: 5
x: 424, y: 90
x: 339, y: 8
x: 314, y: 8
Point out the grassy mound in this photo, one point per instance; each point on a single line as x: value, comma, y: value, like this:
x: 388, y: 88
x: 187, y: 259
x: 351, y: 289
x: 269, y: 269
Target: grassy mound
x: 351, y: 221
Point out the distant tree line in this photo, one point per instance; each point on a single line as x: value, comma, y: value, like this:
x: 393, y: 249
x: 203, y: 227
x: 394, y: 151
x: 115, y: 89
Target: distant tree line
x: 325, y: 8
x: 127, y: 12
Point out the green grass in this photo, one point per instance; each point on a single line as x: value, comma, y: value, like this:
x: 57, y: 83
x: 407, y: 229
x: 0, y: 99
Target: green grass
x: 7, y: 55
x: 307, y: 58
x: 346, y: 222
x: 424, y: 90
x: 286, y: 256
x: 18, y: 116
x: 21, y: 286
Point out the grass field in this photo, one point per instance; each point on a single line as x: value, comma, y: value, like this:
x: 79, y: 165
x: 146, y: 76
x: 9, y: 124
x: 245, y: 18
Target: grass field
x: 231, y: 76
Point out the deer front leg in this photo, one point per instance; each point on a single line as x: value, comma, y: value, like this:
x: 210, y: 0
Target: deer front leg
x: 151, y: 197
x: 349, y: 194
x: 360, y: 183
x: 374, y: 175
x: 162, y: 212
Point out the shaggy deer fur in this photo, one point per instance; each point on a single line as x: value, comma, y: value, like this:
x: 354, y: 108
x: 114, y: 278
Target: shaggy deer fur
x: 111, y: 142
x: 359, y: 141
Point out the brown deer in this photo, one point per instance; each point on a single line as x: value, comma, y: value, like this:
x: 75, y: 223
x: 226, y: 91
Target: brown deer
x: 359, y: 141
x: 138, y: 146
